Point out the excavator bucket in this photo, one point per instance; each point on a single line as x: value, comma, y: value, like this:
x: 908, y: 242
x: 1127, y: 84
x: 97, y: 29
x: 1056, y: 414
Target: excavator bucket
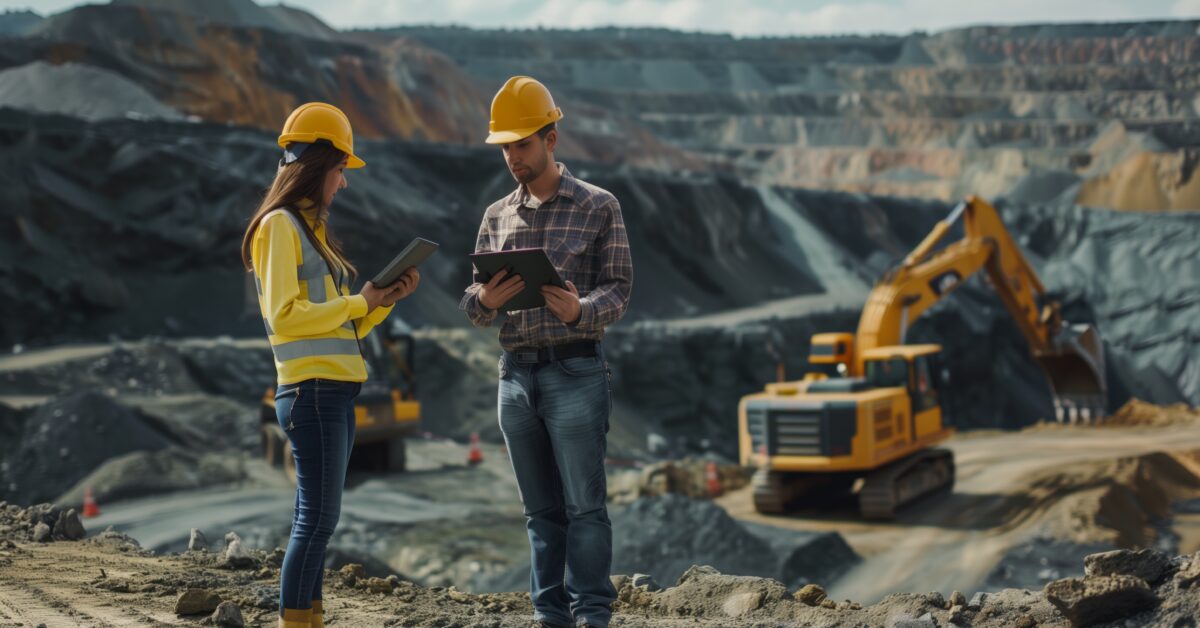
x: 1075, y: 366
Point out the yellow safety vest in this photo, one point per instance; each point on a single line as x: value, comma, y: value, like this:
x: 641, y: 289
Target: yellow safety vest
x: 314, y: 326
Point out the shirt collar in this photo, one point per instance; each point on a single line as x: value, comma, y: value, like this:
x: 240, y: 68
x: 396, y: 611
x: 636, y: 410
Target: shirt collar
x: 310, y: 211
x: 567, y: 185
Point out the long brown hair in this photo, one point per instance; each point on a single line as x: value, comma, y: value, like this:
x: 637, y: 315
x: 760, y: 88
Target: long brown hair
x: 300, y: 180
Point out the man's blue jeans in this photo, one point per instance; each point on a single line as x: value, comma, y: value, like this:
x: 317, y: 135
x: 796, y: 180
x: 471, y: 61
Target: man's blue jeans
x: 554, y: 417
x: 318, y: 416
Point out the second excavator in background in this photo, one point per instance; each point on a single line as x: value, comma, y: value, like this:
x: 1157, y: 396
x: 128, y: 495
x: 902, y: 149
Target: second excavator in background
x: 386, y: 412
x: 874, y: 430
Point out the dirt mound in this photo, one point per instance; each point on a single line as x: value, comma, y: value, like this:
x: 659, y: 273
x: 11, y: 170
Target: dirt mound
x: 1117, y: 502
x: 663, y: 536
x: 145, y: 473
x: 41, y: 523
x: 1146, y: 182
x: 688, y: 477
x: 150, y: 367
x: 1138, y: 412
x: 245, y: 13
x: 68, y: 437
x: 77, y: 90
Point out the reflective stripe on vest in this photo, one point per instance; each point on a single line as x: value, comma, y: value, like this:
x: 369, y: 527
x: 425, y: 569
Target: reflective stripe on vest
x: 311, y: 272
x: 317, y: 346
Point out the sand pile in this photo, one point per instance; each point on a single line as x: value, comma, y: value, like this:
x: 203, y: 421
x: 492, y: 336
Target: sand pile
x: 1138, y: 412
x: 1121, y: 500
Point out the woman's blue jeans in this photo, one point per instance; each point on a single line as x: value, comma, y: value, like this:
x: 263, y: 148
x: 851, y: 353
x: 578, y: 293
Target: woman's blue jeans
x: 318, y: 416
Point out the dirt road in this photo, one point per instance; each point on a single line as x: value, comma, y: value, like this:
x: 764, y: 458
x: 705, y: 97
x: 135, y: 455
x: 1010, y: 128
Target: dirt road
x: 1009, y: 485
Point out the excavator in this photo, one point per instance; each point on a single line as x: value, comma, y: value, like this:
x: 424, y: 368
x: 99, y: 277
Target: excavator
x: 873, y: 430
x: 386, y: 412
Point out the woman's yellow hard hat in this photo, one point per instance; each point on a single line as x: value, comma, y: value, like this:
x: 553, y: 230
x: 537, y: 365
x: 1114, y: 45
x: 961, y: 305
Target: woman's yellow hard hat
x: 321, y: 121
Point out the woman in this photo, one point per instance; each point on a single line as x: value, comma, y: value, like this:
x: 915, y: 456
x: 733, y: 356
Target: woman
x: 314, y: 324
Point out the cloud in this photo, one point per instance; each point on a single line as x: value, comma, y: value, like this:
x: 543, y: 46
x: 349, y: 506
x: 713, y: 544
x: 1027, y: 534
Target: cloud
x: 791, y: 18
x: 1186, y: 8
x: 743, y: 18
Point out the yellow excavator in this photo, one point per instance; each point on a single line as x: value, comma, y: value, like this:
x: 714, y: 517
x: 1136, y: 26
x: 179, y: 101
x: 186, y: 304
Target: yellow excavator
x: 873, y: 431
x: 386, y: 412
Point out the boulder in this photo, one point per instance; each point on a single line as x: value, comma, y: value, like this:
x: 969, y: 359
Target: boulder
x: 1094, y: 599
x: 1147, y: 564
x: 197, y: 602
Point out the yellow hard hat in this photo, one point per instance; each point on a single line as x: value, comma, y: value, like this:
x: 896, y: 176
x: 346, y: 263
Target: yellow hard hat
x: 320, y: 121
x: 519, y: 109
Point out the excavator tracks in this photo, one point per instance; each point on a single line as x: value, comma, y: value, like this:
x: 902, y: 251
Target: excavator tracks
x: 772, y: 491
x: 887, y: 489
x: 776, y: 492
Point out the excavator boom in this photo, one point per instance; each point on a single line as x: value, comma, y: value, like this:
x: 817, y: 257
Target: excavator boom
x: 1072, y: 356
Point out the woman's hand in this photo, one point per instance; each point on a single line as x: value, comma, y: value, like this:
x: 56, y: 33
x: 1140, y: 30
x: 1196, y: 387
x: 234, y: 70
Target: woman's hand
x: 403, y: 288
x: 374, y: 296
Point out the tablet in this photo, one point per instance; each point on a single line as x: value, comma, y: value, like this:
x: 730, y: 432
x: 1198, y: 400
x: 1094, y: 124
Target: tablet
x: 531, y: 264
x: 412, y: 255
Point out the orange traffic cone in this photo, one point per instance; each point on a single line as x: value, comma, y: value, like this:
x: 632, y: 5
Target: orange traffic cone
x: 713, y: 479
x: 475, y: 455
x: 90, y: 509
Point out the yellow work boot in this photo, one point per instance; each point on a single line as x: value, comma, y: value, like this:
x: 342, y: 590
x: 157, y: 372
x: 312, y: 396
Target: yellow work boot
x: 318, y: 615
x: 296, y: 618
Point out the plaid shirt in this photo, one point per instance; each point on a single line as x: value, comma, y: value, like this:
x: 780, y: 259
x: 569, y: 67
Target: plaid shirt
x: 583, y: 234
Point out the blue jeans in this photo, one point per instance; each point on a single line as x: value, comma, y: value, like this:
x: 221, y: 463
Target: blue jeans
x: 554, y: 418
x: 318, y: 416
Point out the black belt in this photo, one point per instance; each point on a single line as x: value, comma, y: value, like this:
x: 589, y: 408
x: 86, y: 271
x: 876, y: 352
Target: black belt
x: 539, y: 355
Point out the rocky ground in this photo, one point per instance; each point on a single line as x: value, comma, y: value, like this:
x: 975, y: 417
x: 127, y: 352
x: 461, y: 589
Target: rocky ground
x: 1013, y: 537
x: 52, y: 578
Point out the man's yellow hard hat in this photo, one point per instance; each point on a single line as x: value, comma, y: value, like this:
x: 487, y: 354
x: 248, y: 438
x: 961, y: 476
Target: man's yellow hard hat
x: 321, y: 121
x: 519, y: 109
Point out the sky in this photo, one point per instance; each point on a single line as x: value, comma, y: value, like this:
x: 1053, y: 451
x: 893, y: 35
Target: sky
x: 745, y: 18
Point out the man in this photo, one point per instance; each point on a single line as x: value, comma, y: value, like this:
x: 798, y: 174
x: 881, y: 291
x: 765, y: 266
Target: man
x: 554, y: 392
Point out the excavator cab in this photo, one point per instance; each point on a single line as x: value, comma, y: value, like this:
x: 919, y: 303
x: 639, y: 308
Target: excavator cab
x: 833, y: 351
x: 913, y: 368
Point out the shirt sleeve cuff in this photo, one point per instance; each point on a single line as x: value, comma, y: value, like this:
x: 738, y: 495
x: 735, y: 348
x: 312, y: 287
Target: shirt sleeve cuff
x: 587, y: 314
x: 379, y: 314
x: 358, y: 306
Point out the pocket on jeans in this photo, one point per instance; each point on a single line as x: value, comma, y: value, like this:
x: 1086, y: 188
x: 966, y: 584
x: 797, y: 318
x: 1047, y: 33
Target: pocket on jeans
x: 581, y: 367
x: 285, y: 405
x: 502, y: 367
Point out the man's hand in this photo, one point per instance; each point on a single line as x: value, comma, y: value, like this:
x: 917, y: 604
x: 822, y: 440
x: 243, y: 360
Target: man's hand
x: 500, y: 289
x: 403, y: 287
x: 563, y: 303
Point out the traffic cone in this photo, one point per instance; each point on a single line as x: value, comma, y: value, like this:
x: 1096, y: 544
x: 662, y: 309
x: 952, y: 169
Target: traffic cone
x: 90, y: 509
x: 475, y: 455
x: 713, y: 479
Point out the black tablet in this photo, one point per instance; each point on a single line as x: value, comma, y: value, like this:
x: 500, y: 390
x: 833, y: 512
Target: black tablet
x: 413, y: 254
x: 531, y: 264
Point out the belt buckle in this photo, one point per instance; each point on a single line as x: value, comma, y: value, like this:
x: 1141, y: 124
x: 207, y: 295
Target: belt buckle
x: 527, y: 357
